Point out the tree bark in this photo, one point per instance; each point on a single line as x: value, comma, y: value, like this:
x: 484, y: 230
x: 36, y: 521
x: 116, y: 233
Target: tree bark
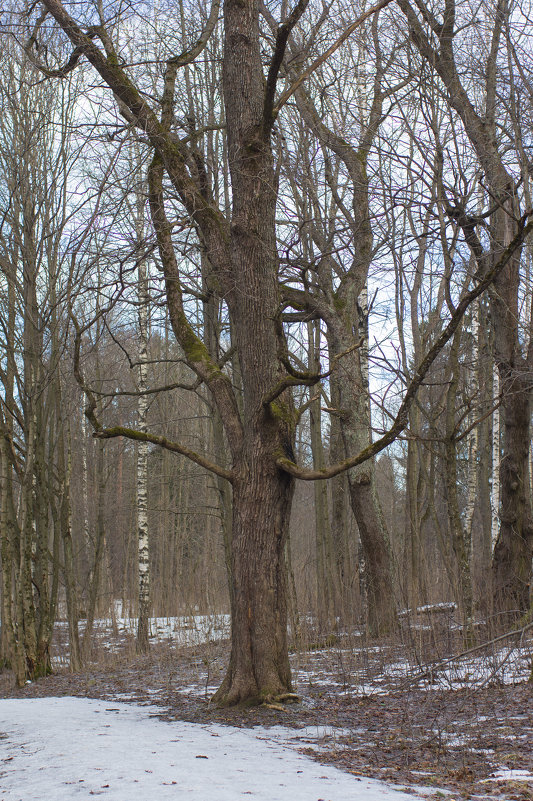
x: 259, y: 665
x: 511, y: 570
x: 143, y: 539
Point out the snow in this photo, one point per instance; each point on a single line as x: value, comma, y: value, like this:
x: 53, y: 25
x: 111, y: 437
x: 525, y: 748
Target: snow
x: 504, y: 666
x: 442, y: 607
x: 341, y: 670
x: 182, y: 630
x: 509, y: 775
x: 76, y: 748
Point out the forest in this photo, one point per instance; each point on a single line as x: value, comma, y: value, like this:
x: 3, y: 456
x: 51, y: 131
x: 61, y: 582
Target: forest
x: 266, y: 335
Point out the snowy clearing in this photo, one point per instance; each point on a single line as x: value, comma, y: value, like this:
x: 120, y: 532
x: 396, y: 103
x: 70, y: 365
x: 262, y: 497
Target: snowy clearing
x: 69, y: 748
x: 408, y: 714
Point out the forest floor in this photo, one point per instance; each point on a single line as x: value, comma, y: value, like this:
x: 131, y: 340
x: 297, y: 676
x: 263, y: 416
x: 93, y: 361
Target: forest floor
x: 460, y: 727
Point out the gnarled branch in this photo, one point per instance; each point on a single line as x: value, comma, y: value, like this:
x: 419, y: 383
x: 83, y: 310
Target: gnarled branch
x: 167, y: 444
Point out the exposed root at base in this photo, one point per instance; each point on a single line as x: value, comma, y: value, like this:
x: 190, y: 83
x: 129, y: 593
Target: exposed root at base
x: 288, y: 698
x: 276, y: 701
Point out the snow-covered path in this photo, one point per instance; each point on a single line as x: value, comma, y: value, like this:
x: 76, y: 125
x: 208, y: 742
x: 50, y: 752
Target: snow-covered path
x: 75, y: 748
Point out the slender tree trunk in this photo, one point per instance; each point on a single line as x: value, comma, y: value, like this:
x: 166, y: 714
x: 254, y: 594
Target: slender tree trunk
x: 211, y: 338
x: 343, y: 603
x: 97, y: 556
x: 143, y: 624
x: 355, y: 430
x: 85, y: 501
x: 473, y: 439
x: 412, y: 538
x: 322, y: 524
x: 69, y: 574
x: 482, y: 520
x: 460, y: 543
x: 349, y: 308
x: 496, y: 450
x: 513, y: 551
x: 12, y: 621
x: 11, y: 608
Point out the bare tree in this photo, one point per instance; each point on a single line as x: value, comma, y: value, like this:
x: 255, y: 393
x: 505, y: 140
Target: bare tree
x: 491, y: 124
x: 36, y: 282
x: 244, y: 264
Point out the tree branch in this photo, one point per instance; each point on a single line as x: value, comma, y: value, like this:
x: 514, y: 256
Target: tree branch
x: 163, y: 442
x: 324, y: 57
x: 401, y: 419
x: 282, y: 36
x: 186, y: 57
x: 196, y: 353
x: 209, y: 219
x: 289, y: 381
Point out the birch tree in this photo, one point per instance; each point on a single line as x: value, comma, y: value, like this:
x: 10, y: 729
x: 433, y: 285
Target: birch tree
x: 142, y: 446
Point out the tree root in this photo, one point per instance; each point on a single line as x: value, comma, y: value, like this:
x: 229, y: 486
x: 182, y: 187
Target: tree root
x: 276, y: 701
x: 288, y: 698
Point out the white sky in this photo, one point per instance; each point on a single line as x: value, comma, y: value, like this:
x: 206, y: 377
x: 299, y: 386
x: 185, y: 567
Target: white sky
x: 52, y: 749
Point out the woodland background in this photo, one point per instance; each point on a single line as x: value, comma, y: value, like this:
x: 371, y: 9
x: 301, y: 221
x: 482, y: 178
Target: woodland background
x: 378, y: 148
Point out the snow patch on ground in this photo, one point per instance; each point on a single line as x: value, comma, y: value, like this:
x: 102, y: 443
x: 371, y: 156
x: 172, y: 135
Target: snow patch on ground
x: 63, y: 749
x: 509, y: 775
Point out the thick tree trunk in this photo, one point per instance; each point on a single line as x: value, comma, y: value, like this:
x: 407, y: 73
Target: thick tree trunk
x: 511, y: 568
x: 259, y: 665
x: 262, y: 494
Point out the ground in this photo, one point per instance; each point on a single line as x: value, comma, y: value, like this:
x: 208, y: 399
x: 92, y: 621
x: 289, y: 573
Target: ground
x: 463, y: 726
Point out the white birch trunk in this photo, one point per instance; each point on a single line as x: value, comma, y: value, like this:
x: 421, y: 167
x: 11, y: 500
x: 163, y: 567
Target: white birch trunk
x: 142, y: 447
x: 495, y: 493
